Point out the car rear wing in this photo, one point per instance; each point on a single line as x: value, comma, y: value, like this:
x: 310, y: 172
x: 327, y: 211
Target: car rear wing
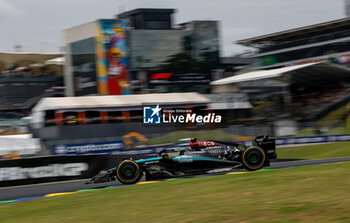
x: 267, y: 144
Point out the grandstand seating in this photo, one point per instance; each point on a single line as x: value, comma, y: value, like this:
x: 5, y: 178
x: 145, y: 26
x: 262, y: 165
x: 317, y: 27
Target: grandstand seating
x: 314, y: 103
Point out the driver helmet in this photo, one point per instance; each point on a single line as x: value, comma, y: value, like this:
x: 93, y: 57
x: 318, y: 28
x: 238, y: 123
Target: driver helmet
x: 182, y: 151
x: 193, y: 139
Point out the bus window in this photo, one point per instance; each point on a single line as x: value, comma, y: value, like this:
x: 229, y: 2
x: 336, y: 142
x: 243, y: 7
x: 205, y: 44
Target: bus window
x: 136, y: 116
x: 92, y: 117
x: 115, y: 117
x: 50, y: 118
x: 70, y: 118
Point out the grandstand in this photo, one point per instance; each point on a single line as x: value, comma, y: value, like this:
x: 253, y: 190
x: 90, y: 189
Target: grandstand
x: 25, y: 78
x: 312, y: 89
x: 328, y: 41
x: 304, y: 69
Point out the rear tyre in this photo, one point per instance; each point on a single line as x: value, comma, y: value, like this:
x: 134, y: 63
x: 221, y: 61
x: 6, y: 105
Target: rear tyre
x: 253, y: 158
x: 128, y: 172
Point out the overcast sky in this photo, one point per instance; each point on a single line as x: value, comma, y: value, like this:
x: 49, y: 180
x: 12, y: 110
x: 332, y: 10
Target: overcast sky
x: 37, y: 24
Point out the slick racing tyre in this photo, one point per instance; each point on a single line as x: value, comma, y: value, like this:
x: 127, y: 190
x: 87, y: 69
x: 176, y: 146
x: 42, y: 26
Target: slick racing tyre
x: 128, y: 172
x: 253, y: 158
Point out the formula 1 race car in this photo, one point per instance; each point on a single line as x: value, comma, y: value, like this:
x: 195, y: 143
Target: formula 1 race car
x: 204, y: 156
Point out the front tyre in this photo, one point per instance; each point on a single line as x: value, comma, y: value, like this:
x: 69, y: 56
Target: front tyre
x: 253, y: 158
x: 128, y: 172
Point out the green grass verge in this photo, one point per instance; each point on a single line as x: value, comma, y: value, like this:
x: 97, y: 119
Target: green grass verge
x: 332, y: 116
x: 306, y: 132
x: 328, y: 150
x: 302, y: 194
x: 343, y: 129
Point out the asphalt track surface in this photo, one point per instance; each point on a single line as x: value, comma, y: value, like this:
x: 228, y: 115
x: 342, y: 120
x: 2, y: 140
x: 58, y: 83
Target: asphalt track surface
x: 37, y: 190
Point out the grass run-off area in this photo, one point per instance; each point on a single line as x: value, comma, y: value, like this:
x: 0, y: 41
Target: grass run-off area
x: 320, y: 151
x: 300, y: 194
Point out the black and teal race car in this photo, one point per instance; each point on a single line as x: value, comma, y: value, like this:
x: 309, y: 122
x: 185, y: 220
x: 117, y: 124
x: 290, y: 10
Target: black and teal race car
x: 201, y: 158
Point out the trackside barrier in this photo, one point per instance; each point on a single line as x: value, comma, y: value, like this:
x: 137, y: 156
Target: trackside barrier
x: 118, y: 148
x: 282, y: 141
x: 306, y: 140
x: 113, y: 148
x: 313, y: 139
x: 55, y: 168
